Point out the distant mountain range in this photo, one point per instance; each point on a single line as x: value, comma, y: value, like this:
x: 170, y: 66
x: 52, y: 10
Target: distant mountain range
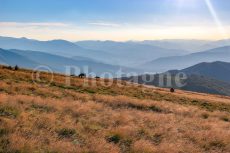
x: 130, y: 53
x: 12, y: 59
x: 157, y: 55
x: 115, y: 53
x: 32, y: 59
x: 204, y: 77
x: 58, y: 47
x: 215, y: 44
x: 150, y: 56
x: 188, y: 45
x: 181, y: 62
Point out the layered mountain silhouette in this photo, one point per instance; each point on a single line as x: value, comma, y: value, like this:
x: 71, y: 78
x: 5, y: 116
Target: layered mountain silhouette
x: 32, y: 59
x: 156, y: 56
x: 12, y: 59
x: 215, y: 44
x: 110, y: 52
x: 180, y: 44
x: 130, y: 53
x: 58, y: 47
x: 181, y: 62
x: 187, y: 45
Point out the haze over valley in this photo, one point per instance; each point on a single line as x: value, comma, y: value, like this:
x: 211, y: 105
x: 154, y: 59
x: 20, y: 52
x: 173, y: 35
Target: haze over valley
x: 114, y: 76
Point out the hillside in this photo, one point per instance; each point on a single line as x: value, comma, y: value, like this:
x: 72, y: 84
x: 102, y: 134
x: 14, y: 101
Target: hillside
x: 206, y: 84
x: 119, y: 118
x: 217, y: 70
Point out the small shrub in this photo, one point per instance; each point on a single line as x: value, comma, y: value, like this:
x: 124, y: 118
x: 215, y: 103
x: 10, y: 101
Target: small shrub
x: 207, y: 106
x: 224, y: 118
x: 134, y: 106
x: 157, y: 139
x: 195, y: 101
x: 205, y: 116
x: 4, y: 145
x: 66, y: 133
x: 155, y: 109
x: 216, y: 144
x: 141, y: 132
x: 114, y: 138
x: 90, y: 91
x: 3, y: 132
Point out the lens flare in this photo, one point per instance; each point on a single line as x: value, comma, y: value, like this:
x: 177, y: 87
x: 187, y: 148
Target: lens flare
x: 216, y: 19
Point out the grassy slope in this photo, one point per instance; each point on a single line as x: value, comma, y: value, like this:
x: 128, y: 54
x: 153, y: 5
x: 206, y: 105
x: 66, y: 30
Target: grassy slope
x: 113, y: 119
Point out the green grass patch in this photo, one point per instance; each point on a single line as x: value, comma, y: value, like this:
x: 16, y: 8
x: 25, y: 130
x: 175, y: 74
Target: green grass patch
x: 42, y: 108
x: 114, y: 138
x: 7, y: 111
x: 225, y: 119
x: 3, y: 132
x: 66, y: 133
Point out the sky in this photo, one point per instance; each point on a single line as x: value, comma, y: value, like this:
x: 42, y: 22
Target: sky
x: 119, y: 20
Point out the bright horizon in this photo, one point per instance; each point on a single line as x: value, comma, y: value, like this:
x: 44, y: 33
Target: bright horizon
x: 120, y: 20
x: 128, y: 40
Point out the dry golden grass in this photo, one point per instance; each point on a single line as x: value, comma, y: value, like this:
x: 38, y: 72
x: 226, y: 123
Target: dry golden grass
x: 98, y: 119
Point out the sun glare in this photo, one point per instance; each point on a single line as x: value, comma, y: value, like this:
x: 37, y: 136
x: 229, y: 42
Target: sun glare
x: 216, y: 18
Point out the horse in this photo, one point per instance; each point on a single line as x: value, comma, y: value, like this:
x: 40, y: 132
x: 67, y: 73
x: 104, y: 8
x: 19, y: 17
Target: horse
x: 82, y: 75
x: 172, y: 90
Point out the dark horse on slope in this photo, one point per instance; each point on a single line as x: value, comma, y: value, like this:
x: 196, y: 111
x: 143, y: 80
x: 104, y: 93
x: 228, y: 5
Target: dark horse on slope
x: 82, y: 75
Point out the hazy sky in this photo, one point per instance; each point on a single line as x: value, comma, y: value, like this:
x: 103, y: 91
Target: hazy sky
x: 115, y: 19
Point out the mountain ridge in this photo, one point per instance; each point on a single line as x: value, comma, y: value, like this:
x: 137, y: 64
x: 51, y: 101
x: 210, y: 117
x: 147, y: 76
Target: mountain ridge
x: 181, y: 62
x: 32, y: 59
